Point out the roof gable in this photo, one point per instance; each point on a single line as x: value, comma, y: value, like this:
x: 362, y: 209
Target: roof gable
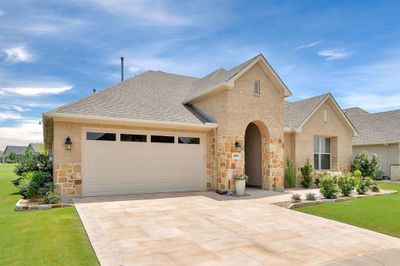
x: 298, y: 113
x: 222, y: 79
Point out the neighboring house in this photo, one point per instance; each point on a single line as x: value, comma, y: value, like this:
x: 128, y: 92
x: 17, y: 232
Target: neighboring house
x: 317, y: 129
x: 18, y: 150
x: 379, y: 133
x: 162, y: 132
x: 35, y: 147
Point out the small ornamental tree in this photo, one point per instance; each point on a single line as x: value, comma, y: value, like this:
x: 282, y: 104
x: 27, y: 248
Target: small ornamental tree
x: 290, y: 173
x: 306, y: 172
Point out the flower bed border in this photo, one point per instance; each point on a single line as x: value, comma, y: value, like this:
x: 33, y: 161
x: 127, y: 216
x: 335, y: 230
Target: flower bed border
x: 25, y: 205
x: 303, y: 203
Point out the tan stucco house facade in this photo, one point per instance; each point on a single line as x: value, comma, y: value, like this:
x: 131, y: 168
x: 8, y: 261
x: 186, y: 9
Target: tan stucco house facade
x: 380, y: 135
x: 162, y: 132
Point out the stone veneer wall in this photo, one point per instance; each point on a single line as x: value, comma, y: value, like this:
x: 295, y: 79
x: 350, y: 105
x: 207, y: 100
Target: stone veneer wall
x: 228, y: 167
x: 68, y: 178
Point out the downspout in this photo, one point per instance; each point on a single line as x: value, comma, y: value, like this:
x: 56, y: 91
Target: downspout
x: 215, y: 170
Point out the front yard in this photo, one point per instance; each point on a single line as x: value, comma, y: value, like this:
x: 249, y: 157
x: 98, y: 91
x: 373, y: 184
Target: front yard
x: 52, y: 237
x: 378, y: 213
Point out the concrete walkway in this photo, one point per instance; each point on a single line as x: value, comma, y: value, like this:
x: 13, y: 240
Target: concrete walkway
x: 209, y: 229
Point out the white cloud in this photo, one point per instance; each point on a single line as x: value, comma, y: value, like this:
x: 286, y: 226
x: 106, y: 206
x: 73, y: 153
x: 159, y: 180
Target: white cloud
x: 35, y: 91
x: 1, y: 12
x: 308, y: 45
x: 22, y: 134
x: 334, y: 54
x: 18, y: 54
x: 13, y: 107
x: 156, y: 13
x: 9, y: 116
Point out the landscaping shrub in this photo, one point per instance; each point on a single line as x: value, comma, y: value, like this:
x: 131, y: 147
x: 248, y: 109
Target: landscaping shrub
x: 290, y: 173
x: 368, y: 167
x: 35, y: 185
x: 306, y: 172
x: 363, y: 184
x: 374, y: 187
x: 328, y: 186
x: 346, y: 184
x: 34, y: 161
x: 51, y: 197
x: 296, y: 198
x: 311, y: 196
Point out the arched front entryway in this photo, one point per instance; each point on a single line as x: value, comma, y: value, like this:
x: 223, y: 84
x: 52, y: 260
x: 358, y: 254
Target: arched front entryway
x: 253, y: 155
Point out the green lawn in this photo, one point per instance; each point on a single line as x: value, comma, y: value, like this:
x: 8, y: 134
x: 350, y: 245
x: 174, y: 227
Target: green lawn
x: 378, y: 213
x: 52, y: 237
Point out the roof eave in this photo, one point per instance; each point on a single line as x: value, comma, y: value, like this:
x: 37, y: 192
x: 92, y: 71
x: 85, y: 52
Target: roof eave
x: 127, y: 121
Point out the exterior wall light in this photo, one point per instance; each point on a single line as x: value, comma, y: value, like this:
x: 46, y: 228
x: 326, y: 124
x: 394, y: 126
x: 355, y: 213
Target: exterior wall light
x: 68, y: 143
x: 238, y: 145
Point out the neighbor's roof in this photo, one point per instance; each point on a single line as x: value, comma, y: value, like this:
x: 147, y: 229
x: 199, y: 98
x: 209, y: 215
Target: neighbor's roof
x: 375, y: 128
x: 152, y: 95
x: 157, y: 96
x: 36, y: 147
x: 15, y: 149
x: 222, y: 77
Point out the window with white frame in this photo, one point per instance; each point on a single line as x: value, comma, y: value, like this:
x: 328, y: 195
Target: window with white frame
x: 322, y: 153
x: 257, y: 87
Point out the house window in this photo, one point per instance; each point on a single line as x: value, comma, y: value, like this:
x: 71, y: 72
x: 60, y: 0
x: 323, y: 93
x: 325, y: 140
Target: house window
x: 188, y: 140
x: 322, y: 153
x: 162, y: 139
x: 133, y: 138
x: 257, y: 87
x: 101, y: 136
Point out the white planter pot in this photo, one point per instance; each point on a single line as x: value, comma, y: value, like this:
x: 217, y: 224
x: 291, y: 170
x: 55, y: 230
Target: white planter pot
x: 240, y: 186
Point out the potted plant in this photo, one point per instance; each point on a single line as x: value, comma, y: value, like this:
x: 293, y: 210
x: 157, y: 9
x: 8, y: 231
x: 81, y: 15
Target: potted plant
x: 240, y: 184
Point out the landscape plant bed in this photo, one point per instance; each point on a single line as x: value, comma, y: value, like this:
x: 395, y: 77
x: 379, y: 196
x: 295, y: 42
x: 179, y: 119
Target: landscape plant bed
x: 320, y: 200
x: 27, y: 205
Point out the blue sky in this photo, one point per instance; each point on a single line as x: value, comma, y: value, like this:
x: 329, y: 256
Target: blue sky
x: 53, y: 52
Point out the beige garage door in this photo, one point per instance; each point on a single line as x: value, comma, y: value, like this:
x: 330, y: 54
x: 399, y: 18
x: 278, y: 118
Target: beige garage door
x: 134, y: 163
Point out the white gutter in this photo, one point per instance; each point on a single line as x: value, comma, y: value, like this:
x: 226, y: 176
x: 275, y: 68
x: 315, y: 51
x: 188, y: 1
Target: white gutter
x: 126, y: 121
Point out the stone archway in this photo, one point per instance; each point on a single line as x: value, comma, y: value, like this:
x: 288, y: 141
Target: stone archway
x: 253, y: 155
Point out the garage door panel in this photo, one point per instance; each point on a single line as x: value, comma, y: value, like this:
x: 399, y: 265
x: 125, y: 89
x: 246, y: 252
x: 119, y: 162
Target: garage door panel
x: 112, y: 168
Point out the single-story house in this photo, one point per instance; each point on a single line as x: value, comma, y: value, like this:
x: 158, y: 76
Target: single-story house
x: 317, y: 129
x: 163, y: 132
x: 379, y: 134
x: 17, y: 150
x: 35, y: 147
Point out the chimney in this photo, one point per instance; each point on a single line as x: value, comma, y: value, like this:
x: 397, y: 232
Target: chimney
x: 122, y: 68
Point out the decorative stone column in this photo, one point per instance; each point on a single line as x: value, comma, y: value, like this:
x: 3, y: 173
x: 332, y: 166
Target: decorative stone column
x: 230, y: 161
x: 273, y: 164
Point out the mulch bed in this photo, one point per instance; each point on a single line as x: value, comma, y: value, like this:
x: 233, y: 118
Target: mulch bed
x: 320, y: 200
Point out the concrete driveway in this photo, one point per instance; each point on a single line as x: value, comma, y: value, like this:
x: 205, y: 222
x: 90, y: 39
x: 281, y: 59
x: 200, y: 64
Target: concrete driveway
x: 206, y: 229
